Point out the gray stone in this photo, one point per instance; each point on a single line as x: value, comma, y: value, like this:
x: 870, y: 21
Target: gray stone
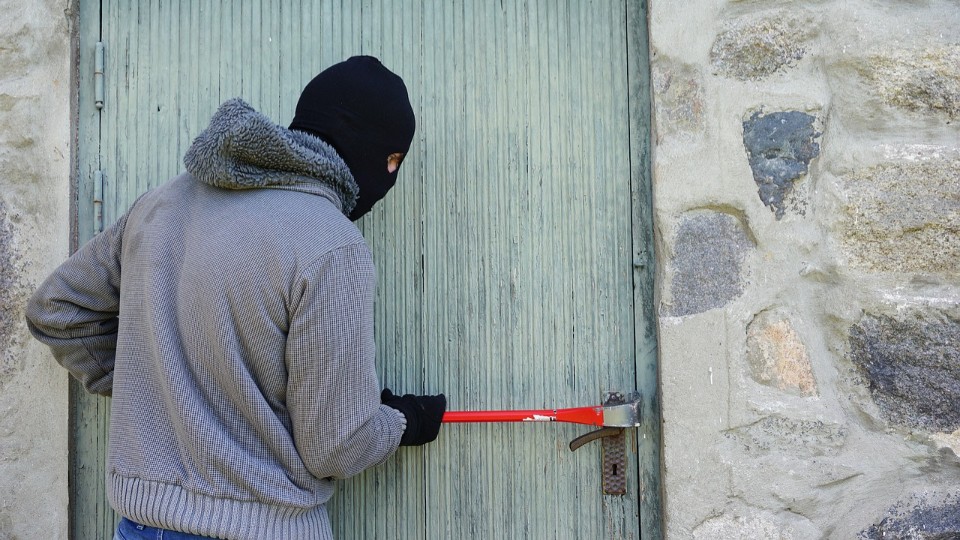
x: 904, y: 216
x: 918, y: 519
x: 779, y: 147
x: 709, y: 250
x: 911, y: 363
x: 754, y: 50
x: 925, y: 80
x: 678, y: 98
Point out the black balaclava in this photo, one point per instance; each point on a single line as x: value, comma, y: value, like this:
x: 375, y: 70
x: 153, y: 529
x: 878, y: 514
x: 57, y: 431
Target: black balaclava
x: 361, y: 109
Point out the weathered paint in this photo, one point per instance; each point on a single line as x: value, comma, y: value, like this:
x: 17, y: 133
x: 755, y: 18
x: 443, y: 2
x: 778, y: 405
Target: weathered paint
x: 90, y: 515
x: 506, y: 254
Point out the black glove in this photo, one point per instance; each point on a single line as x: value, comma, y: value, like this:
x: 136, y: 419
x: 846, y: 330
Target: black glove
x: 424, y: 415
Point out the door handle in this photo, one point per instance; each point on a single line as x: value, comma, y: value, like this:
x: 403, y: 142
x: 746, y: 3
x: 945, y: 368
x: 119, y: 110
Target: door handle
x: 613, y: 450
x: 594, y: 435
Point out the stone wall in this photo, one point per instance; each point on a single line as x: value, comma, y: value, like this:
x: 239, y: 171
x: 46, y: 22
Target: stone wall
x: 35, y: 158
x: 807, y: 199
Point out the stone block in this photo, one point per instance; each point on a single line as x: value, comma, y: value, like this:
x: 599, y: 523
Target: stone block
x: 923, y: 80
x: 777, y: 355
x: 677, y: 98
x: 709, y: 250
x: 919, y: 518
x: 780, y: 146
x: 904, y: 215
x: 911, y: 363
x: 753, y: 50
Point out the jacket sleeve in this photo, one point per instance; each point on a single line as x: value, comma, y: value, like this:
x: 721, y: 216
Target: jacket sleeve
x: 333, y: 393
x: 75, y: 311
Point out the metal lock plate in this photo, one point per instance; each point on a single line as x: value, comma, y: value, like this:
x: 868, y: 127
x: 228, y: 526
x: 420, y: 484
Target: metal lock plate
x: 613, y: 440
x: 614, y: 455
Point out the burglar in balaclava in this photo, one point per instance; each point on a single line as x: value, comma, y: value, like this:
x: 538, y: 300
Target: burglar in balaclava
x: 362, y: 110
x: 242, y: 368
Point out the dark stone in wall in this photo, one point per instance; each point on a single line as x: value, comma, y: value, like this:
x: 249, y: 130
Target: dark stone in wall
x: 708, y: 255
x: 779, y: 147
x: 912, y: 365
x: 918, y: 520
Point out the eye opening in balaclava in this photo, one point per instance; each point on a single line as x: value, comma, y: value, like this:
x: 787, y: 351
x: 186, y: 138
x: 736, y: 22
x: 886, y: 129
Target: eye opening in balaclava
x: 362, y: 110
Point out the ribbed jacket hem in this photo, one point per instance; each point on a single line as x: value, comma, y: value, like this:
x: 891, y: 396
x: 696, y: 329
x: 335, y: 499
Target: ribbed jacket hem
x: 169, y: 506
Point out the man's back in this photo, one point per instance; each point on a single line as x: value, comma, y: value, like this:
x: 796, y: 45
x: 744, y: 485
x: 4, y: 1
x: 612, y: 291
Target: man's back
x: 242, y: 368
x: 210, y: 278
x: 230, y: 314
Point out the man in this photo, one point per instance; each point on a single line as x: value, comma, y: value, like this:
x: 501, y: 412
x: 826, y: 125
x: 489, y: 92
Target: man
x: 229, y: 313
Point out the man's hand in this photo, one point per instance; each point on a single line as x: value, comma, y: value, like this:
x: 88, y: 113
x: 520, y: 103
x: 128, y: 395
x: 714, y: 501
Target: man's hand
x: 424, y: 415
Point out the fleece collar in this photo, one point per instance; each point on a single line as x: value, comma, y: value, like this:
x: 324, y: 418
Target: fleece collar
x: 243, y: 149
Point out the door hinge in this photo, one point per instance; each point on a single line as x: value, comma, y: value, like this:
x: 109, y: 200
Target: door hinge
x: 98, y: 76
x: 97, y: 202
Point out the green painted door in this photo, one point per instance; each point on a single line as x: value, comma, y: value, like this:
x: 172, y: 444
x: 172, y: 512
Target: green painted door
x: 514, y: 257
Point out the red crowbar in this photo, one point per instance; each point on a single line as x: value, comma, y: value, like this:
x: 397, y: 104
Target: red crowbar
x: 624, y: 415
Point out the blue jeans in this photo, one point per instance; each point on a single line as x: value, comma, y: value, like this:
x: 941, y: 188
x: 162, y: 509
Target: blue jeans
x: 131, y: 530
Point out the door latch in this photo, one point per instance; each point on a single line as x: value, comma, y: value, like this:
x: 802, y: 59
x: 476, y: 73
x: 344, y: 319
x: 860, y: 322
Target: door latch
x: 613, y: 450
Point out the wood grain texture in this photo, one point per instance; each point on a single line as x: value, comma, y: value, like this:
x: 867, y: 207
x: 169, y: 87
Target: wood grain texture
x: 90, y: 514
x: 649, y: 441
x: 505, y: 254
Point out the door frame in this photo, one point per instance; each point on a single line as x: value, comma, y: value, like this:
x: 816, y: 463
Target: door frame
x: 649, y: 442
x: 89, y: 415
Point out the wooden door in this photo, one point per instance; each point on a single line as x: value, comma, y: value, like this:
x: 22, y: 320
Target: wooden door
x: 514, y: 256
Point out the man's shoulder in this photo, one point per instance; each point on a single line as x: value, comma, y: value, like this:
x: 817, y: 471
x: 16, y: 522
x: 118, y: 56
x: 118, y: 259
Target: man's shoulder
x: 288, y: 222
x: 313, y: 225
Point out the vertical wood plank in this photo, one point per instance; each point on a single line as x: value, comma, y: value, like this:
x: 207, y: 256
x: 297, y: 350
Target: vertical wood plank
x: 559, y: 274
x: 88, y: 118
x: 89, y: 511
x: 648, y: 383
x: 388, y: 502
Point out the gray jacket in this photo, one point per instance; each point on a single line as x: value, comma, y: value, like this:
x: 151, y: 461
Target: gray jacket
x: 230, y: 314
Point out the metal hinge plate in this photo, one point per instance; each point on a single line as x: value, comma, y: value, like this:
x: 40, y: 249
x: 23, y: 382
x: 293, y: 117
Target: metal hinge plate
x: 98, y: 76
x: 97, y: 202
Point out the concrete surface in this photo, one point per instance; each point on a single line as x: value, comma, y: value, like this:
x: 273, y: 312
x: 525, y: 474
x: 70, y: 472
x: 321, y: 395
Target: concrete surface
x: 35, y: 164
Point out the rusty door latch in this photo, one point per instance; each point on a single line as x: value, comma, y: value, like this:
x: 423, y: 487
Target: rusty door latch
x: 613, y: 449
x: 617, y: 413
